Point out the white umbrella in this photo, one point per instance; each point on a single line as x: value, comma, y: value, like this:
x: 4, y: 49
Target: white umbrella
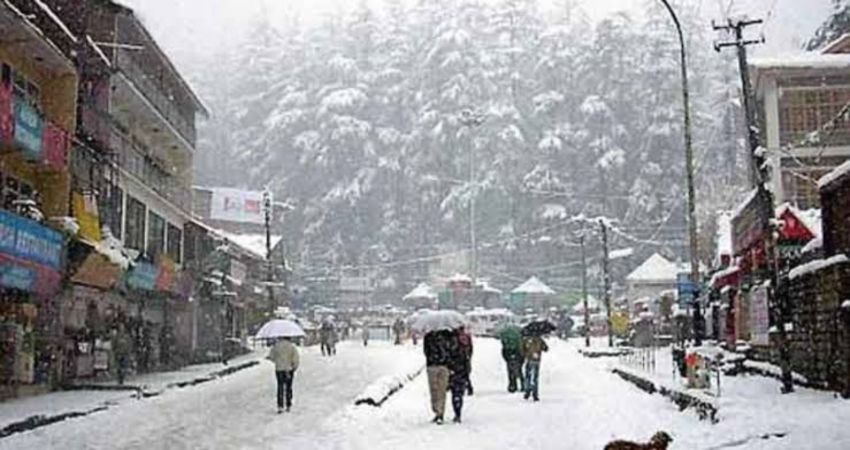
x: 438, y: 320
x: 280, y: 328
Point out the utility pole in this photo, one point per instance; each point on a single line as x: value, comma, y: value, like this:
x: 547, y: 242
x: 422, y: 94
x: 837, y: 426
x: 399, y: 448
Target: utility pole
x: 470, y: 120
x: 584, y: 290
x: 606, y: 280
x: 267, y: 209
x: 689, y: 166
x: 759, y: 178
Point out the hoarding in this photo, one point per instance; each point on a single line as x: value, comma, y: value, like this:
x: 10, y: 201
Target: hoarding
x: 236, y: 205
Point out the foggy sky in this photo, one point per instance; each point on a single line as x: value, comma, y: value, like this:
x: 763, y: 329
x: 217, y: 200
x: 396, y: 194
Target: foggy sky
x: 192, y: 29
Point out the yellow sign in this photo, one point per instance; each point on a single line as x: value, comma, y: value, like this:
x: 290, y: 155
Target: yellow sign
x: 85, y: 211
x: 619, y: 323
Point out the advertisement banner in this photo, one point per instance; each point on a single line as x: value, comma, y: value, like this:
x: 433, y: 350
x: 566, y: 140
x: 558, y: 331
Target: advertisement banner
x: 29, y: 128
x: 236, y: 205
x: 759, y: 317
x: 86, y: 213
x: 143, y: 276
x: 56, y: 144
x: 25, y: 239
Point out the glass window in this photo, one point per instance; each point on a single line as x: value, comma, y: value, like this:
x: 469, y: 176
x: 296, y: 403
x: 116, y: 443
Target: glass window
x: 135, y: 224
x: 804, y: 111
x: 156, y: 235
x: 175, y: 243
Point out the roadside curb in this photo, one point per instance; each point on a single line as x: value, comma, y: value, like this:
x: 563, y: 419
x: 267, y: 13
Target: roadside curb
x: 42, y: 420
x: 705, y: 410
x: 380, y: 391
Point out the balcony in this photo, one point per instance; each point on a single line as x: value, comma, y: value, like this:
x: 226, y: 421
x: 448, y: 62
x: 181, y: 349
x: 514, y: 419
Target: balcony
x: 136, y: 161
x: 156, y: 97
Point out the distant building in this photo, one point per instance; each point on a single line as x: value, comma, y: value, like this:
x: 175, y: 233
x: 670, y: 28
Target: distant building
x: 652, y: 278
x: 799, y: 99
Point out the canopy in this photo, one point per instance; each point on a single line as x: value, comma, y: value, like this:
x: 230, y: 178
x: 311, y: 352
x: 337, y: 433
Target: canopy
x: 533, y: 286
x: 279, y: 328
x: 437, y: 320
x: 420, y: 292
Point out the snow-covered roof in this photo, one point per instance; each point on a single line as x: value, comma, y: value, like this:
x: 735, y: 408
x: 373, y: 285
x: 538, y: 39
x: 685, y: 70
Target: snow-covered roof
x: 746, y: 201
x: 807, y: 60
x: 833, y: 176
x: 421, y: 291
x: 813, y: 245
x: 254, y: 243
x: 657, y: 268
x: 533, y: 285
x: 816, y: 265
x: 460, y: 278
x: 723, y: 273
x: 481, y: 312
x: 484, y: 286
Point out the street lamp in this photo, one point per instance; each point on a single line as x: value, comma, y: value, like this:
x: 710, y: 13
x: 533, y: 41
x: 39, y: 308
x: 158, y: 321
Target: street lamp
x: 471, y: 119
x: 689, y: 166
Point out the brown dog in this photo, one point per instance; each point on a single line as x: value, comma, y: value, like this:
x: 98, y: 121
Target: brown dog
x: 659, y: 441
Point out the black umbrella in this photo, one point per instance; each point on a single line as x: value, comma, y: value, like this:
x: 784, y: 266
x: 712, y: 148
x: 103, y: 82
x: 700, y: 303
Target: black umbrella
x: 538, y: 328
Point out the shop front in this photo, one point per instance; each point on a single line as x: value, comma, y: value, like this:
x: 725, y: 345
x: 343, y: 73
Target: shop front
x: 31, y: 261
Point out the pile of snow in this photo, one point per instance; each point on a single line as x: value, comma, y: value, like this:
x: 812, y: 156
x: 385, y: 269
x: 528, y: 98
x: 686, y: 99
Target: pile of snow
x: 533, y: 286
x: 807, y: 60
x: 378, y: 392
x: 420, y: 292
x: 253, y: 243
x: 834, y: 175
x: 816, y: 265
x: 113, y: 249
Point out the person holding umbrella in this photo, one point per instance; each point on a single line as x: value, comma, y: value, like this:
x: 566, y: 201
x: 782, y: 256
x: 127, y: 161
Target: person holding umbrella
x: 533, y: 347
x: 443, y: 357
x: 284, y: 355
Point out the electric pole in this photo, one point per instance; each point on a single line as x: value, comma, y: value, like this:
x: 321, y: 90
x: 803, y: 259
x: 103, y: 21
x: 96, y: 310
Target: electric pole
x: 267, y: 209
x: 584, y: 290
x: 759, y: 178
x: 606, y: 280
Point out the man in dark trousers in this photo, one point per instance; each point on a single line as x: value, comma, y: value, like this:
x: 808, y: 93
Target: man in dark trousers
x: 442, y: 353
x: 284, y: 355
x: 511, y: 339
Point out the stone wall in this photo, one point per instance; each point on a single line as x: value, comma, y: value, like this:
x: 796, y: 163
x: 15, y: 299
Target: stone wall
x: 820, y: 341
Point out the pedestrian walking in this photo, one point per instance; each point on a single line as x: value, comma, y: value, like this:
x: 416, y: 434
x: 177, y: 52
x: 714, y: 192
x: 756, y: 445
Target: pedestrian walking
x: 121, y: 347
x: 511, y: 339
x: 398, y: 330
x: 364, y: 334
x: 441, y: 350
x: 532, y: 350
x: 465, y: 343
x: 326, y: 338
x: 284, y: 355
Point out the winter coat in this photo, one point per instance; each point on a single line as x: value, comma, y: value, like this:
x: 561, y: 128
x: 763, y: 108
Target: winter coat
x: 441, y: 348
x: 511, y: 340
x: 284, y: 355
x: 533, y: 348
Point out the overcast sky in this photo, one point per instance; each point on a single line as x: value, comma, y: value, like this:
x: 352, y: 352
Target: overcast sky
x: 196, y: 27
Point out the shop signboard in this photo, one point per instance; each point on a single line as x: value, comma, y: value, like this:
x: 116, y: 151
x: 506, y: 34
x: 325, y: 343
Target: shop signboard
x: 759, y: 317
x: 29, y: 129
x: 30, y: 255
x: 142, y: 276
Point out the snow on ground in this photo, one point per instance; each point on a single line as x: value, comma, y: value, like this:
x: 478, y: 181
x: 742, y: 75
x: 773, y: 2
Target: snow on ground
x: 234, y: 412
x: 750, y: 407
x: 583, y: 406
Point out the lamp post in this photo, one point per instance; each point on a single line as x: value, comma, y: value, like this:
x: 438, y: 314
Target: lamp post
x: 471, y: 119
x: 689, y: 167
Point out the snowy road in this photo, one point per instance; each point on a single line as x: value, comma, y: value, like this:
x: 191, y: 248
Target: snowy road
x: 234, y: 412
x: 583, y: 406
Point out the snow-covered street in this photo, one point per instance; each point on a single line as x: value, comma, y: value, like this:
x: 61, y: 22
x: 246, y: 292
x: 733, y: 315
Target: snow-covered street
x: 583, y: 406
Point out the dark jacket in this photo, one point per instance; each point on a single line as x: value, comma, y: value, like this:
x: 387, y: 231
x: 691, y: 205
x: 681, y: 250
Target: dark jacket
x: 441, y: 348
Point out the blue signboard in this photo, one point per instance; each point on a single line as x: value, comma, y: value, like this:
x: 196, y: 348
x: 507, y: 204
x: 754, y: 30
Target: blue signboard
x: 29, y: 127
x: 688, y: 290
x: 17, y: 277
x: 28, y: 240
x: 142, y: 276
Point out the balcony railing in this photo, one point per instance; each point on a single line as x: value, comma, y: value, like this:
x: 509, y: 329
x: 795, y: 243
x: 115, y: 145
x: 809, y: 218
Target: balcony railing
x: 132, y: 158
x: 163, y: 103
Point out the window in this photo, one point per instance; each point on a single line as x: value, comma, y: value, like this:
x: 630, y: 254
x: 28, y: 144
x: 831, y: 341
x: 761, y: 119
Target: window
x: 156, y: 235
x: 111, y: 207
x: 135, y: 224
x: 803, y: 111
x: 24, y: 89
x: 175, y: 243
x: 14, y: 189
